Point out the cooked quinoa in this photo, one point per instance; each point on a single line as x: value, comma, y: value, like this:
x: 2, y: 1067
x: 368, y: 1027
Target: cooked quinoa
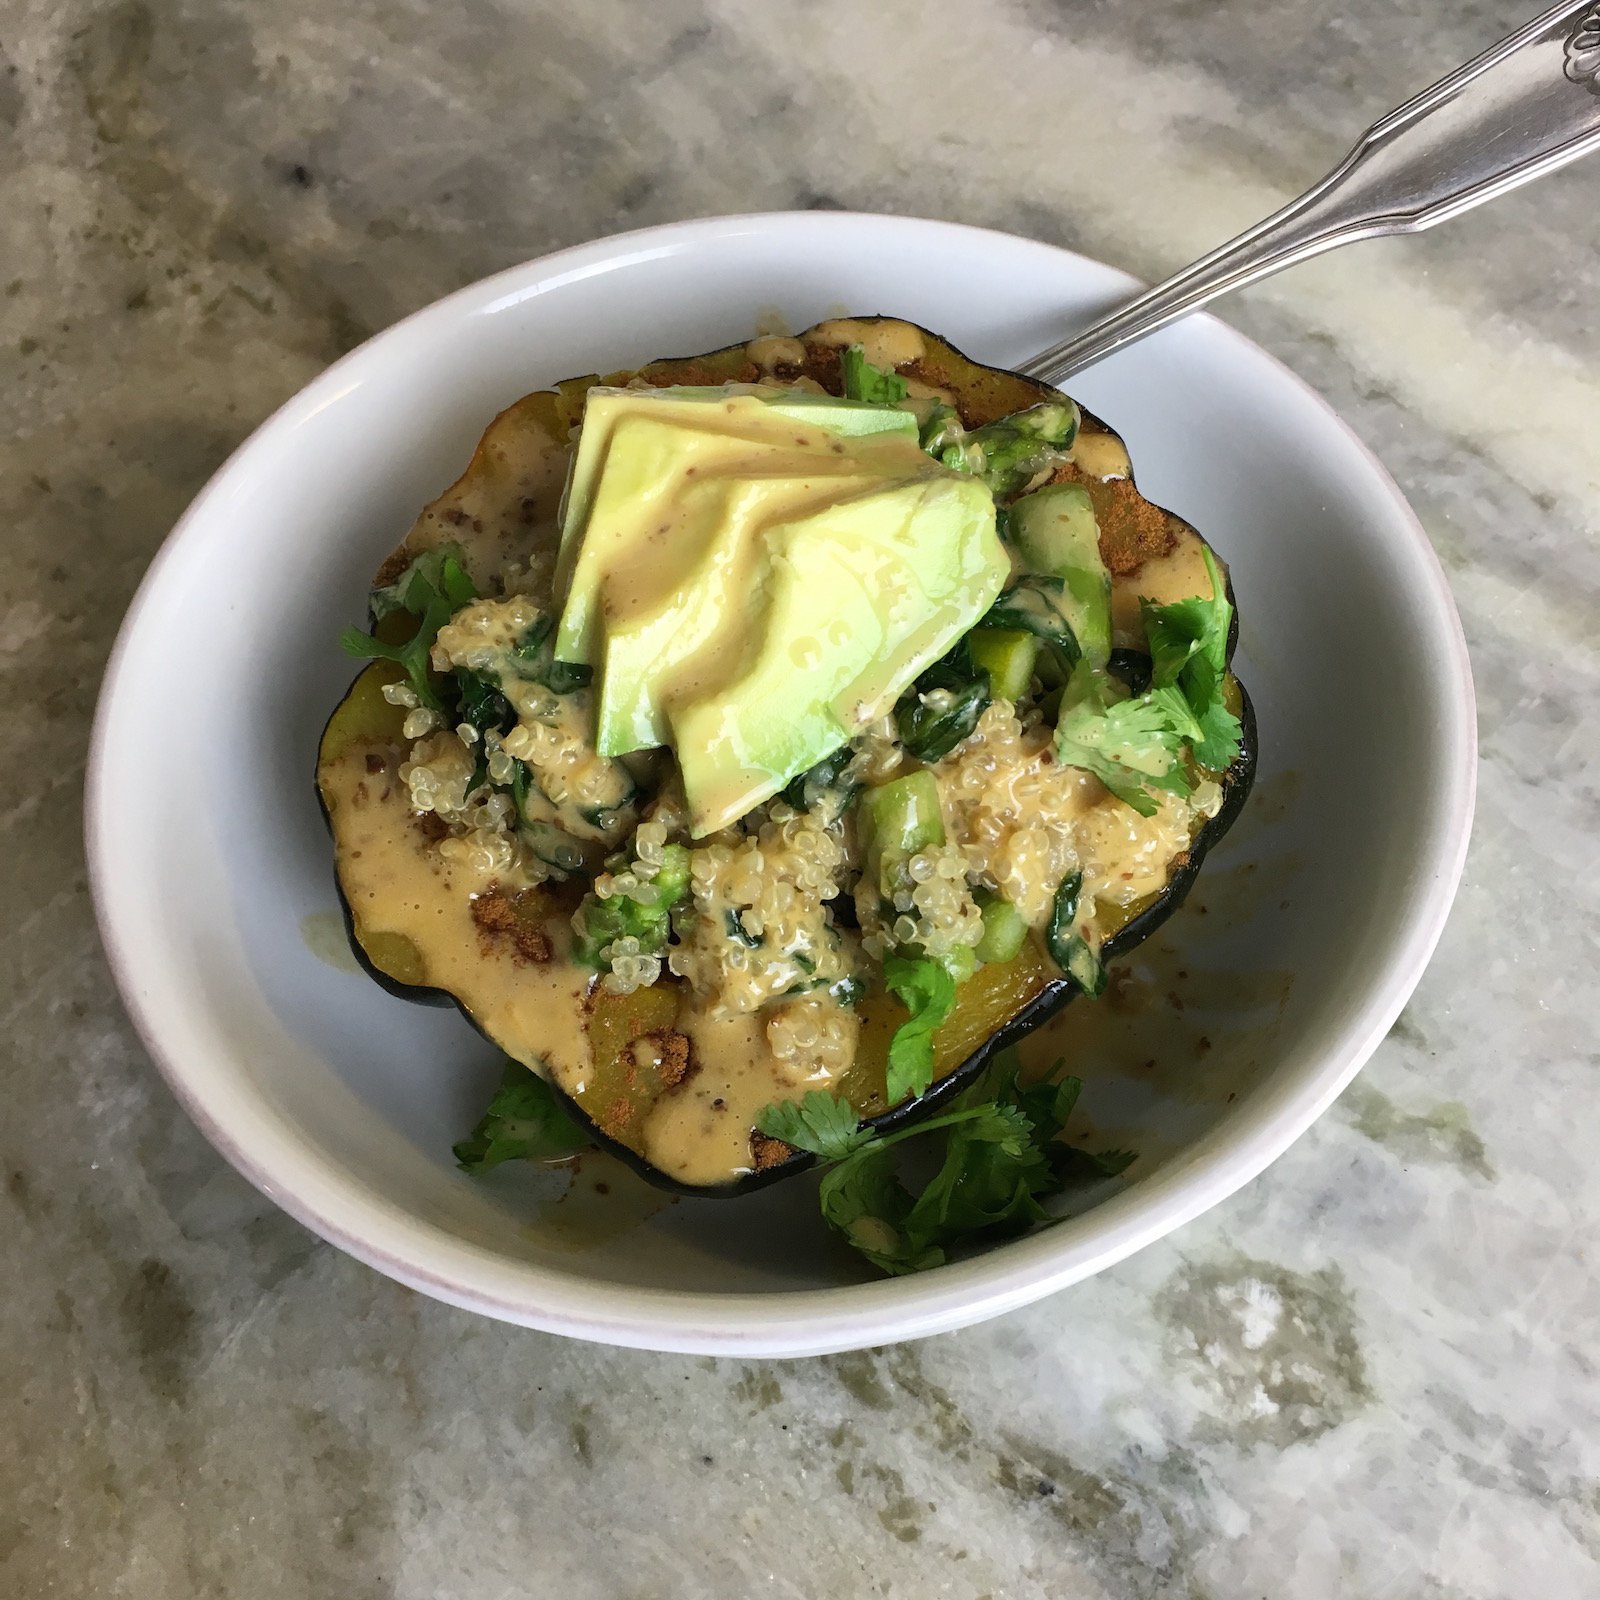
x: 778, y: 913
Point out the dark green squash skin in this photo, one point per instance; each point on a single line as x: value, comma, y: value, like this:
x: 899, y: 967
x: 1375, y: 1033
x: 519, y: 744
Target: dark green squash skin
x: 1050, y: 1000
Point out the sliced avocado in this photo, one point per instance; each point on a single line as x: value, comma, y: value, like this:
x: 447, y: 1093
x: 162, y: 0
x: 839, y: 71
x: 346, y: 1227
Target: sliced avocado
x: 849, y: 419
x: 1056, y: 535
x: 855, y: 601
x: 633, y: 481
x: 718, y: 562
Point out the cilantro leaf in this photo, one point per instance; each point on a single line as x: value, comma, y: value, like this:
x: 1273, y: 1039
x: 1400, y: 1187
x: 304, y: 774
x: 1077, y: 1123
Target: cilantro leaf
x: 1047, y: 1104
x: 1189, y: 660
x: 439, y: 571
x: 928, y: 992
x: 433, y: 588
x: 1172, y: 706
x: 820, y: 1123
x: 1186, y: 629
x: 877, y: 386
x: 989, y: 1181
x: 864, y: 1199
x: 1002, y: 1157
x: 1136, y: 745
x: 1217, y: 732
x: 1222, y: 738
x: 1129, y: 745
x: 524, y: 1122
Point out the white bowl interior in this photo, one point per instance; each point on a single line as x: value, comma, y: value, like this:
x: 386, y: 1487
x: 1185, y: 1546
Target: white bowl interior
x: 1238, y: 1024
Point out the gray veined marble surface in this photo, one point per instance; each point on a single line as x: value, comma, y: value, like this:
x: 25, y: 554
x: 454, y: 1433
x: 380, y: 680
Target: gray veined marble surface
x: 1370, y: 1375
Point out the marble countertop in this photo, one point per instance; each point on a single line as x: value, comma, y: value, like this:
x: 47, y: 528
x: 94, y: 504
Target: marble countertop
x: 1370, y: 1375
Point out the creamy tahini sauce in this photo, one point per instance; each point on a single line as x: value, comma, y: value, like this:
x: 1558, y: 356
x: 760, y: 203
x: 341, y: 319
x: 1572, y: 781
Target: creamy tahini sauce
x: 1101, y: 455
x: 537, y: 1012
x: 770, y: 351
x: 394, y: 883
x: 884, y: 344
x: 502, y: 509
x: 701, y: 1133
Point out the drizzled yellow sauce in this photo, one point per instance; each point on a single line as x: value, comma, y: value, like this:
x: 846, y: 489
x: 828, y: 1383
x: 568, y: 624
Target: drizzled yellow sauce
x: 1101, y: 455
x: 1177, y: 575
x: 395, y: 885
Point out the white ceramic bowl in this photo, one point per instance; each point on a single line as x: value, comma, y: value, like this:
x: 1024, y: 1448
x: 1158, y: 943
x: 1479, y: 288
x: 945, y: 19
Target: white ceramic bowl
x: 211, y: 865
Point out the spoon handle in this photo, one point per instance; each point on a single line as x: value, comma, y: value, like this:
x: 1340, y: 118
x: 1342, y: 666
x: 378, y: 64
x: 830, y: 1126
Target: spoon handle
x: 1523, y: 108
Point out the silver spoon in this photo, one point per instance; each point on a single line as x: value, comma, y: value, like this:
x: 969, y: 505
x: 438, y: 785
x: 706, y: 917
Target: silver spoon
x: 1521, y: 109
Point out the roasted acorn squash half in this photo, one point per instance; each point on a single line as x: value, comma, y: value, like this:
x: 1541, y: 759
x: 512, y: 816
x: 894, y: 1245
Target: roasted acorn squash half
x: 458, y: 936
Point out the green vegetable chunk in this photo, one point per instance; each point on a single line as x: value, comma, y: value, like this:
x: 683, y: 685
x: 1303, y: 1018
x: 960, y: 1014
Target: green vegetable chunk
x: 524, y: 1122
x: 1008, y: 655
x: 862, y: 381
x: 1005, y: 929
x: 1010, y: 451
x: 900, y: 818
x: 1056, y: 534
x: 942, y: 436
x: 600, y: 923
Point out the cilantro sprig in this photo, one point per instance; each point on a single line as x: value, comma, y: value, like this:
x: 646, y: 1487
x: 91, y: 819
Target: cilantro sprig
x: 1130, y: 745
x: 432, y: 589
x: 1136, y: 745
x: 820, y: 1123
x: 1002, y: 1156
x: 928, y: 991
x: 524, y: 1122
x: 1189, y: 655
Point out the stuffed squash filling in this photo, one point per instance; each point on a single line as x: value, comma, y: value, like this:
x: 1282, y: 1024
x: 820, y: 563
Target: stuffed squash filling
x: 803, y: 720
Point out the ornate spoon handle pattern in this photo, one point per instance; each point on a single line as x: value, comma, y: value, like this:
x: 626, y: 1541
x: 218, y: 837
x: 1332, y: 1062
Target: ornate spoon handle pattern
x: 1521, y: 109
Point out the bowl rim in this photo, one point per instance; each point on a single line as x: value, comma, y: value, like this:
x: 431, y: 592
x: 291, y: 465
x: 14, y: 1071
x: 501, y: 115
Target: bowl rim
x: 800, y: 1322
